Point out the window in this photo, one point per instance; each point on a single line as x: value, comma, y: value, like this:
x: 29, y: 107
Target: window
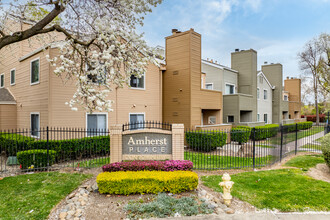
x: 230, y: 118
x: 212, y: 120
x: 35, y: 124
x: 258, y: 93
x: 136, y: 82
x: 2, y: 80
x: 12, y: 76
x: 230, y: 89
x: 100, y: 78
x: 136, y: 120
x: 265, y: 94
x: 209, y: 86
x: 96, y: 123
x: 202, y: 81
x: 265, y: 118
x: 286, y: 98
x: 258, y: 117
x: 261, y: 79
x: 35, y: 71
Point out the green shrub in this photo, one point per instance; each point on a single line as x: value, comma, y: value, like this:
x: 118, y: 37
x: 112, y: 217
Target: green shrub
x: 76, y: 148
x: 205, y: 141
x: 132, y: 182
x: 300, y: 126
x: 266, y: 131
x: 305, y: 125
x: 240, y: 134
x: 164, y: 206
x: 326, y: 148
x: 30, y: 159
x: 12, y: 143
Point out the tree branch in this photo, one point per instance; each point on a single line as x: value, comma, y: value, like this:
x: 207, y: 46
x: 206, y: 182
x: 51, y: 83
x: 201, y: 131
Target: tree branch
x: 38, y: 28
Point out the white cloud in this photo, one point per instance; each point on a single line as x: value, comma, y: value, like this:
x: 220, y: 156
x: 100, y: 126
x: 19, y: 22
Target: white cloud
x: 253, y: 4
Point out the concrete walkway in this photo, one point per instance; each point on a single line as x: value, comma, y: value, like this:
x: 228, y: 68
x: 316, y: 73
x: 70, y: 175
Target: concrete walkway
x: 259, y: 216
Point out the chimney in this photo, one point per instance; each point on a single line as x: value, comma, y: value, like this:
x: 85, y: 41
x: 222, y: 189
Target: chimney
x: 237, y: 50
x: 211, y: 60
x: 216, y: 62
x: 174, y: 31
x: 265, y: 62
x: 287, y: 77
x: 208, y: 59
x: 291, y: 77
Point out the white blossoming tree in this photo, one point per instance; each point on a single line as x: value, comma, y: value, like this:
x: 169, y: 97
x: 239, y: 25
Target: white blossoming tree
x: 101, y: 47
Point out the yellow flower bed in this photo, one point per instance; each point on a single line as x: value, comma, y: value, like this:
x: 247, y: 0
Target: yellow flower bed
x: 131, y: 182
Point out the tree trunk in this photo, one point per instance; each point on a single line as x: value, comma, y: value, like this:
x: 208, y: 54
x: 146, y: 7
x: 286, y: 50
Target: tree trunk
x: 316, y: 102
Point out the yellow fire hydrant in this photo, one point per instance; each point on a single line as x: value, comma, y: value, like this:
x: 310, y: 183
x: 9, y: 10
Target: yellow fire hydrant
x: 227, y: 185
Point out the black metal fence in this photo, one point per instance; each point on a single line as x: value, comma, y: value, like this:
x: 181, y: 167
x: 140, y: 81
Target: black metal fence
x: 57, y: 148
x: 147, y: 125
x: 53, y: 148
x: 250, y: 147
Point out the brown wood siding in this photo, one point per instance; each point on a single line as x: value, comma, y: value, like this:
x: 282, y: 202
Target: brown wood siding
x: 176, y: 80
x: 29, y: 98
x: 183, y: 97
x: 7, y: 117
x: 146, y: 101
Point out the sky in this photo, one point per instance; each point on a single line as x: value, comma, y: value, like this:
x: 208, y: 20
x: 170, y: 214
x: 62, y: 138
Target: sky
x: 276, y: 29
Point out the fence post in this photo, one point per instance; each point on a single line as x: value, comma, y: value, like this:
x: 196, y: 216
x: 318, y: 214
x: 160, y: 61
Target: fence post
x: 281, y: 142
x: 47, y: 148
x: 254, y: 147
x: 296, y: 142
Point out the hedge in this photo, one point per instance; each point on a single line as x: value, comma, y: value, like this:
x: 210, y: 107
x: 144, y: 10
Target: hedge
x: 68, y: 149
x: 12, y: 143
x: 206, y: 141
x: 300, y: 126
x: 32, y: 159
x: 167, y: 165
x: 326, y: 148
x: 132, y: 182
x: 240, y: 134
x: 76, y: 148
x: 266, y: 131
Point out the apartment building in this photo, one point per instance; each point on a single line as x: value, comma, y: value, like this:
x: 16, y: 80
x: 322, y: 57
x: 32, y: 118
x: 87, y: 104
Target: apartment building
x: 292, y: 88
x: 265, y: 99
x: 253, y: 97
x: 238, y: 84
x: 184, y: 98
x: 274, y: 74
x: 182, y: 89
x: 31, y: 96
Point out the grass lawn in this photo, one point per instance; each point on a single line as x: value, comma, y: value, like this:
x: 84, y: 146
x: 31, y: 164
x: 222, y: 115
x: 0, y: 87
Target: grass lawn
x: 205, y: 160
x: 32, y: 196
x: 305, y: 162
x: 285, y: 190
x: 289, y: 137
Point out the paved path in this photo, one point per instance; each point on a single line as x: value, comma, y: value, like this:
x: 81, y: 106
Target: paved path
x: 260, y: 216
